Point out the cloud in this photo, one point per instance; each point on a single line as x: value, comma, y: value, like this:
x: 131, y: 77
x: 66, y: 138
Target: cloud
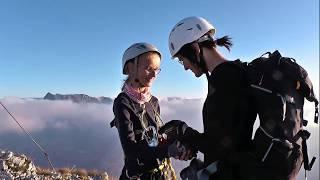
x: 188, y: 110
x: 36, y: 115
x: 73, y: 134
x: 79, y: 134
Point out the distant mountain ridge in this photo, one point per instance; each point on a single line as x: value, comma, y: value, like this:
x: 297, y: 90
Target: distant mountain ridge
x: 78, y: 98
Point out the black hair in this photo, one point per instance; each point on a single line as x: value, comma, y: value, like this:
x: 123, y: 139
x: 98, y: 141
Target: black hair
x: 189, y: 52
x: 225, y: 41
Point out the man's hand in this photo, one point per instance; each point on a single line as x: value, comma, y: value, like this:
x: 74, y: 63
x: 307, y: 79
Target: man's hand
x: 190, y: 172
x: 187, y: 153
x: 181, y: 151
x: 174, y: 130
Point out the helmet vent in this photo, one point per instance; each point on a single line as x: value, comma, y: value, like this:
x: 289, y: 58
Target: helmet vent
x: 179, y: 24
x: 199, y: 27
x: 172, y: 46
x: 189, y: 29
x: 141, y: 46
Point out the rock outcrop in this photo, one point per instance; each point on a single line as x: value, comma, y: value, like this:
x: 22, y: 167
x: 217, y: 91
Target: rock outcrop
x: 17, y: 167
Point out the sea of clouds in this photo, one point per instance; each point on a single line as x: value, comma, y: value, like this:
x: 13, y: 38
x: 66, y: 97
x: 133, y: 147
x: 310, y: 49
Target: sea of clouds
x: 79, y: 135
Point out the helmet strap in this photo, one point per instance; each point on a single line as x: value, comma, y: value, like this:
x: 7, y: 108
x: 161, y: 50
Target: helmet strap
x: 195, y: 58
x: 135, y: 74
x: 202, y: 63
x: 198, y: 60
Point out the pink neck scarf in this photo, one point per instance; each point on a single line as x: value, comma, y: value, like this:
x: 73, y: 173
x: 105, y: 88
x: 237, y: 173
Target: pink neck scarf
x: 136, y: 96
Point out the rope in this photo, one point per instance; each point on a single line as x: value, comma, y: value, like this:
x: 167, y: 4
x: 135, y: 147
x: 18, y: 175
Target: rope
x: 168, y: 164
x: 28, y: 134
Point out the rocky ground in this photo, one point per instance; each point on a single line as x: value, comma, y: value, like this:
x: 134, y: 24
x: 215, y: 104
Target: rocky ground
x: 18, y: 167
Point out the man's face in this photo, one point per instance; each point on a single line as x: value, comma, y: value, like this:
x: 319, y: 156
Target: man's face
x: 188, y: 65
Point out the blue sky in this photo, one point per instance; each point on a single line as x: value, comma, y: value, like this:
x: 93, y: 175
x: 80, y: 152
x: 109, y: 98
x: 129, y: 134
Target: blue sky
x: 76, y: 46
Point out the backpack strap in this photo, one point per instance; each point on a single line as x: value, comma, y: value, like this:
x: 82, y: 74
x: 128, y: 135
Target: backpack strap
x: 316, y: 111
x: 113, y: 122
x: 304, y: 134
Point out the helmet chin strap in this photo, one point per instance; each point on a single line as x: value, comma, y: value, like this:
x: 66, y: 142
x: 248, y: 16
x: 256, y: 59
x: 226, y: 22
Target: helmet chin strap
x: 199, y: 61
x: 202, y: 63
x: 136, y: 80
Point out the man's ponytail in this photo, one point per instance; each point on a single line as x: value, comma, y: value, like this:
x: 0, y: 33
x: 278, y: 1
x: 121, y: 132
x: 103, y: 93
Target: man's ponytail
x: 224, y: 41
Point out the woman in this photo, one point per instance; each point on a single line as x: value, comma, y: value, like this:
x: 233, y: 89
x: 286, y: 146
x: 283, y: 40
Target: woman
x: 137, y: 117
x: 228, y: 115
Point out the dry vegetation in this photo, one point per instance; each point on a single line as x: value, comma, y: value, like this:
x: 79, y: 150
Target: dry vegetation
x: 79, y: 172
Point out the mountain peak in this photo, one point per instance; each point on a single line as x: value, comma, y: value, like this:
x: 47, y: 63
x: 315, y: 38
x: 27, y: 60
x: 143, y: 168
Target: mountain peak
x: 78, y: 98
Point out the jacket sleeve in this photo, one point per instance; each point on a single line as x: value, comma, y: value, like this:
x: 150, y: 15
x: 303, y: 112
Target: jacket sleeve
x: 226, y: 112
x: 131, y: 146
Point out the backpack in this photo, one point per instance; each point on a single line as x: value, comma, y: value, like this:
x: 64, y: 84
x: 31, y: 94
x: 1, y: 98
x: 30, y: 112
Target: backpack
x: 278, y: 86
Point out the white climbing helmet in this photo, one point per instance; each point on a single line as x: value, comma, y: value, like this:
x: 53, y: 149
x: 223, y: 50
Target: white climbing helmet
x: 135, y: 50
x: 188, y: 30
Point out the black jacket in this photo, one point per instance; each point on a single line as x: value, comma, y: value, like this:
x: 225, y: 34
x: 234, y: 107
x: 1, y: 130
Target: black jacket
x: 228, y: 115
x: 139, y: 157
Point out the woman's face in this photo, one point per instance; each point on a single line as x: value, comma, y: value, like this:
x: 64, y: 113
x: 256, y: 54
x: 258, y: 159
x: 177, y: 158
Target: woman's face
x: 148, y: 68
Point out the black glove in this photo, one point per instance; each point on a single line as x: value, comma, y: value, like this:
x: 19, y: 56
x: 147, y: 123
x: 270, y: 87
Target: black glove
x: 190, y: 172
x: 174, y: 130
x: 181, y: 151
x: 175, y: 149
